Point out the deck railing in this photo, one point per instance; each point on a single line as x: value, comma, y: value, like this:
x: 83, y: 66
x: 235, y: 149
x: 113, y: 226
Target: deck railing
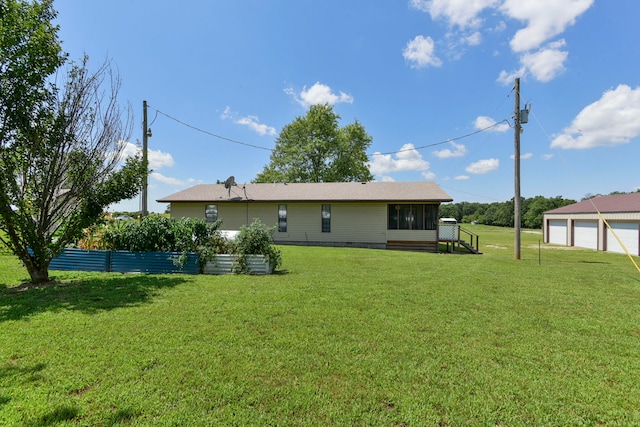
x: 454, y: 234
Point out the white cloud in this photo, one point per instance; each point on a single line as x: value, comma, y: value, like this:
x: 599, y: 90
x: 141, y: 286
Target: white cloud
x: 523, y: 156
x: 407, y: 159
x: 463, y: 13
x: 227, y: 114
x: 461, y: 177
x: 483, y: 166
x: 484, y: 122
x: 157, y: 159
x: 458, y: 151
x: 500, y: 27
x: 319, y: 94
x: 129, y: 149
x: 544, y: 19
x: 252, y: 122
x: 546, y: 156
x: 474, y: 39
x: 546, y: 63
x: 386, y: 178
x: 428, y: 175
x: 507, y: 78
x: 165, y: 179
x: 611, y: 120
x: 420, y: 53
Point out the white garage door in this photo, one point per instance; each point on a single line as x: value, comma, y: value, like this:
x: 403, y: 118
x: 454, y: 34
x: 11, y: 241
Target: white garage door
x: 628, y: 233
x: 557, y: 232
x: 585, y: 234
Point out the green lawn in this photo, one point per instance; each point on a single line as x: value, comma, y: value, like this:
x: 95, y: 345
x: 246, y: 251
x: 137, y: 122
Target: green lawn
x: 339, y: 337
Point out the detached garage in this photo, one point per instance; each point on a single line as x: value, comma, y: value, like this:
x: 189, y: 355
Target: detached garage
x: 580, y: 224
x: 585, y: 234
x: 557, y: 231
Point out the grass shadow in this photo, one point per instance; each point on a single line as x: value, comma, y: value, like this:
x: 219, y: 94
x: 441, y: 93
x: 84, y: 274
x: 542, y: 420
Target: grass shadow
x: 90, y: 294
x: 122, y: 416
x: 58, y: 415
x: 11, y: 372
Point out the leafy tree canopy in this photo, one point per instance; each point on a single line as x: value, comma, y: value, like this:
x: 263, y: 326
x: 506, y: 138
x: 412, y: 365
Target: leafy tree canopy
x: 60, y: 143
x: 314, y: 148
x: 502, y: 213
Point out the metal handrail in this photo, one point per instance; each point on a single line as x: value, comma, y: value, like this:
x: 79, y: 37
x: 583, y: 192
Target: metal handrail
x: 471, y: 237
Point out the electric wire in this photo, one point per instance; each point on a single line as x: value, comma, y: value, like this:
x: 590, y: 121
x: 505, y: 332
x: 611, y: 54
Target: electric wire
x: 442, y: 142
x: 209, y: 133
x: 368, y: 155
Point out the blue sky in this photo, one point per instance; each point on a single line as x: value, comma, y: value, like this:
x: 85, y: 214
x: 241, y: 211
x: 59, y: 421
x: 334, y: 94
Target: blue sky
x: 422, y: 76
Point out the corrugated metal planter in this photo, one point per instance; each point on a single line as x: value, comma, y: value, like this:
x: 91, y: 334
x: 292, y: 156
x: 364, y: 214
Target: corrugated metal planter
x: 72, y: 259
x: 123, y: 261
x: 152, y: 262
x: 226, y: 263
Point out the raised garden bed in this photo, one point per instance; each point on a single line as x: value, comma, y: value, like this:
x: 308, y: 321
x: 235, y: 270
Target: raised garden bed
x: 153, y: 262
x: 227, y: 264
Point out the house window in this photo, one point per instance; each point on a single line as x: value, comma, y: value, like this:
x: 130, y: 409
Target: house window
x: 412, y: 217
x: 282, y: 218
x: 211, y: 213
x: 326, y: 218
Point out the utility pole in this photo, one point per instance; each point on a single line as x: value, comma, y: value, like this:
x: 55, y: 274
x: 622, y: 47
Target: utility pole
x: 146, y: 132
x: 516, y: 199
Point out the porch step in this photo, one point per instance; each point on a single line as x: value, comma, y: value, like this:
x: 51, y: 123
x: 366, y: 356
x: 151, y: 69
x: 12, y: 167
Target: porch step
x: 470, y: 248
x: 413, y: 246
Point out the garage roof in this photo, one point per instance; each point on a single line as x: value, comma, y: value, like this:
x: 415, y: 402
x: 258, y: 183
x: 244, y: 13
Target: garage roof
x: 422, y: 191
x: 604, y: 204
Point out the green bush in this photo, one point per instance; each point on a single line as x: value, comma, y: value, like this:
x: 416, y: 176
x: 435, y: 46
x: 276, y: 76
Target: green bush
x: 256, y: 239
x: 161, y: 234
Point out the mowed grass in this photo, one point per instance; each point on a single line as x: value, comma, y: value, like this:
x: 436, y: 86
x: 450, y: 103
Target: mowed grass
x: 340, y: 336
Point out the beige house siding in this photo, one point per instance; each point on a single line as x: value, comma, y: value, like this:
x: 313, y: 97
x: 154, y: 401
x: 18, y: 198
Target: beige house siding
x: 363, y: 223
x: 352, y: 223
x: 188, y: 210
x: 412, y: 235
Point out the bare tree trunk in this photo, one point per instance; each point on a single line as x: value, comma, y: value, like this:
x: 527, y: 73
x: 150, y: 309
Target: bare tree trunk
x: 39, y: 275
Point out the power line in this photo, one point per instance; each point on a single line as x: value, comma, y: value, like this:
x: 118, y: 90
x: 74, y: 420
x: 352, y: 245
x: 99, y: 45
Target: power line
x: 445, y: 141
x: 368, y: 155
x: 210, y: 133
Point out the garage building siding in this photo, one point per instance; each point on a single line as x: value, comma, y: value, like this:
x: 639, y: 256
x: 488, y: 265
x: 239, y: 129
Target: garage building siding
x: 587, y: 228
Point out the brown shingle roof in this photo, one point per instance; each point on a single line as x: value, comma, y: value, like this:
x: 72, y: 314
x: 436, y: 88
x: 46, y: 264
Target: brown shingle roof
x: 605, y: 204
x: 327, y: 191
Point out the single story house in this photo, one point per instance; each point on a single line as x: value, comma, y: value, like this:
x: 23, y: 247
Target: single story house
x: 580, y: 225
x: 394, y: 215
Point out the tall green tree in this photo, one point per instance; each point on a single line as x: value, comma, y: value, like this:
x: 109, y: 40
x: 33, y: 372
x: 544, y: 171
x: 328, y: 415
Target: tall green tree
x: 314, y: 148
x: 60, y: 142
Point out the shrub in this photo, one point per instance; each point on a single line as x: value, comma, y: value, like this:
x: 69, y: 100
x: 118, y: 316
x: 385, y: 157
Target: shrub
x: 256, y: 239
x: 160, y: 234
